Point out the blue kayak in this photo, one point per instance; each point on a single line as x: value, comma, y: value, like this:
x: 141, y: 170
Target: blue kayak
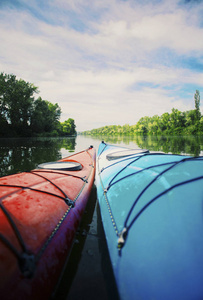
x: 152, y: 206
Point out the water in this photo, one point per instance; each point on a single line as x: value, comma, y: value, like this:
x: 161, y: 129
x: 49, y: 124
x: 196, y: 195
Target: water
x: 18, y: 155
x: 88, y: 274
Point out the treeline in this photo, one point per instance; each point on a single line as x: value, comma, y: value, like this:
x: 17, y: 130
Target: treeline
x: 174, y: 123
x: 21, y: 115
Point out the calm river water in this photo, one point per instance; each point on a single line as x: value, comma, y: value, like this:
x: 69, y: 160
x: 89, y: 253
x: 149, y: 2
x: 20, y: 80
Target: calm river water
x: 19, y: 155
x: 88, y: 274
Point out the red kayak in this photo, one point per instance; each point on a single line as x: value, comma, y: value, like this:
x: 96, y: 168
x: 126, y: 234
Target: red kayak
x: 39, y: 214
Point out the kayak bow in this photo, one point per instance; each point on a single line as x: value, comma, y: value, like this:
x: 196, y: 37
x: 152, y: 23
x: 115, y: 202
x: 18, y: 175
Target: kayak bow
x: 40, y: 211
x: 151, y: 207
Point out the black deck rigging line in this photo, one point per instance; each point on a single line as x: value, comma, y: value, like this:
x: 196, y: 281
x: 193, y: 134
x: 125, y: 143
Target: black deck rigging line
x: 58, y: 226
x: 122, y: 160
x: 161, y: 194
x: 35, y: 173
x: 103, y: 148
x: 15, y: 229
x: 123, y: 234
x: 135, y: 156
x: 135, y: 173
x: 26, y: 260
x: 10, y: 246
x: 55, y: 172
x: 67, y: 200
x: 154, y: 179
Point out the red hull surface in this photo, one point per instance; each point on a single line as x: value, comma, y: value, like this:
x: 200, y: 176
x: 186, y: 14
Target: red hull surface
x: 39, y: 214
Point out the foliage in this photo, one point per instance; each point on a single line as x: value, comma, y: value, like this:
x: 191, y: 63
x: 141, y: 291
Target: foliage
x: 45, y: 116
x: 68, y: 127
x: 16, y: 103
x: 174, y: 123
x: 22, y: 115
x: 197, y: 104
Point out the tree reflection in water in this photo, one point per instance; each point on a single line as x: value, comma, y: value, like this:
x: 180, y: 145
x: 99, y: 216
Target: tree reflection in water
x: 19, y: 155
x: 189, y: 145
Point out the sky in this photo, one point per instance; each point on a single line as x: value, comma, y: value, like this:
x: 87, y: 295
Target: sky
x: 106, y: 62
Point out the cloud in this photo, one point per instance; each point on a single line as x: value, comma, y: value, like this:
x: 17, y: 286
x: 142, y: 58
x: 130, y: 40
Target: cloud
x: 108, y: 97
x: 106, y: 62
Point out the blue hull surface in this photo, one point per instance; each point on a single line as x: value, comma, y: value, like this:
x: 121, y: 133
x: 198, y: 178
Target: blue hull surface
x: 151, y: 207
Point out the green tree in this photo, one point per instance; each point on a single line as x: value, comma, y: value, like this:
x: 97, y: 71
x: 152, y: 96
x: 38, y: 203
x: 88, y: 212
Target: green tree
x: 4, y: 126
x: 197, y: 104
x: 190, y: 124
x: 201, y: 125
x: 45, y: 116
x: 22, y: 115
x: 197, y: 110
x: 142, y: 126
x: 154, y: 125
x: 16, y: 101
x: 164, y: 123
x: 177, y: 121
x: 68, y: 127
x: 3, y: 106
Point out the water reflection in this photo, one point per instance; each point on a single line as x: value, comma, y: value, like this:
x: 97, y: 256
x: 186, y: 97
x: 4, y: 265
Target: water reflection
x: 190, y: 145
x: 19, y: 155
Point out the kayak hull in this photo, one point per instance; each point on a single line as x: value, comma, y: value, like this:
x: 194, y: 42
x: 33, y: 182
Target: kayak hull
x: 39, y: 215
x: 151, y: 207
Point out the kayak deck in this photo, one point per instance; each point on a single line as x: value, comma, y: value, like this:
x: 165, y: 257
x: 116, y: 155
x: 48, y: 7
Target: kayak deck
x: 151, y: 206
x: 40, y: 212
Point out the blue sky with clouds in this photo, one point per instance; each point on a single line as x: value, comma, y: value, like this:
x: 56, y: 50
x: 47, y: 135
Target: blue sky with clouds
x: 106, y: 61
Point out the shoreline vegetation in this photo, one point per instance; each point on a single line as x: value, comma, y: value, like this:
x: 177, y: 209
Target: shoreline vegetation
x: 174, y: 123
x: 21, y: 115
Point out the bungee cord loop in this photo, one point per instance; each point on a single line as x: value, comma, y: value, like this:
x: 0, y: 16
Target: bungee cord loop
x: 26, y: 260
x: 122, y: 235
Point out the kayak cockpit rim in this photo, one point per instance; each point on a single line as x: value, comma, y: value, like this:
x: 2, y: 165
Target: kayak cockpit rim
x: 122, y: 235
x: 125, y: 153
x: 61, y: 165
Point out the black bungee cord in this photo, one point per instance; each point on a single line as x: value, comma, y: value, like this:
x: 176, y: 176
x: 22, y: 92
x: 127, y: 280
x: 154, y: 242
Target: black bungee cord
x: 26, y: 260
x: 124, y: 232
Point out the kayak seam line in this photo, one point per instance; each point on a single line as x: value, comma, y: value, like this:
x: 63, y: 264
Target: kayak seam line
x: 108, y: 205
x: 43, y: 248
x: 17, y: 233
x: 86, y: 181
